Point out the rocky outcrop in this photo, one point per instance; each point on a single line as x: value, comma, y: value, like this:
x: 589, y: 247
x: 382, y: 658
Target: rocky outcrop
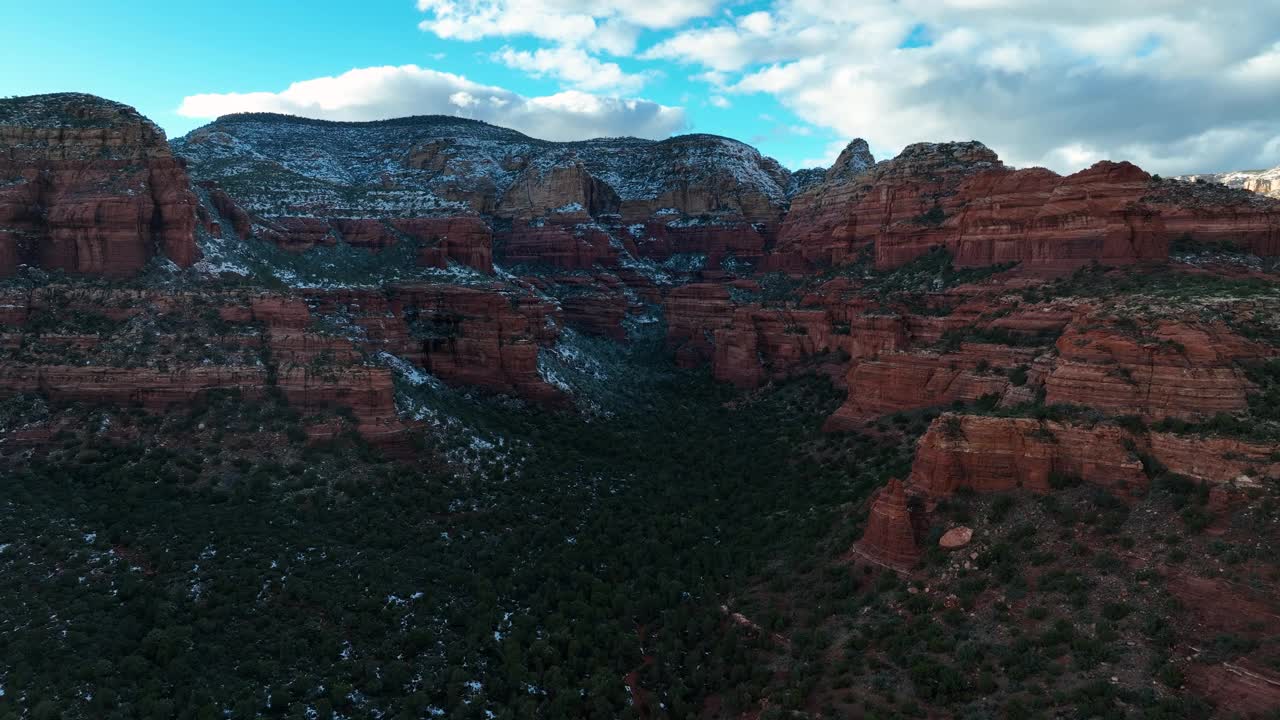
x: 486, y: 339
x: 718, y: 240
x: 1251, y: 229
x: 366, y: 391
x: 956, y: 538
x: 894, y: 382
x: 854, y: 160
x: 761, y: 343
x: 960, y: 196
x: 464, y: 239
x: 890, y: 536
x: 427, y: 167
x: 989, y: 454
x: 567, y: 190
x: 1262, y: 182
x: 464, y: 336
x: 830, y: 223
x: 579, y: 205
x: 694, y: 313
x: 986, y: 454
x: 560, y: 246
x: 90, y: 188
x: 1214, y: 460
x: 315, y: 347
x: 1213, y: 215
x: 299, y: 234
x: 241, y: 223
x: 1170, y: 369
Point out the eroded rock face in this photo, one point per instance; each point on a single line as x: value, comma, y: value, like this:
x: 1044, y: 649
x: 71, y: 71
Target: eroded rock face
x: 960, y: 196
x: 828, y: 224
x: 764, y: 343
x: 659, y: 240
x: 690, y: 194
x: 603, y: 227
x: 910, y: 381
x: 366, y: 391
x: 986, y: 454
x: 1208, y: 214
x: 694, y: 313
x: 464, y: 336
x: 889, y: 538
x: 1243, y: 686
x: 566, y: 190
x: 91, y: 188
x: 482, y: 338
x: 116, y: 350
x: 567, y: 246
x: 465, y: 239
x: 241, y: 223
x: 854, y: 160
x: 990, y: 454
x: 1174, y: 369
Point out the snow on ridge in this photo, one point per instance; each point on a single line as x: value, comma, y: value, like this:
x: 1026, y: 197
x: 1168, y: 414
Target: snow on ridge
x: 263, y: 153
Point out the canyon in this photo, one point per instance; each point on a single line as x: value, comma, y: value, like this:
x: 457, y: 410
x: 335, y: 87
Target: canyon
x: 1106, y: 329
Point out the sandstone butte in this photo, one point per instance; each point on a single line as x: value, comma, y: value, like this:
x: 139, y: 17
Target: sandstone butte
x: 889, y: 538
x: 93, y: 188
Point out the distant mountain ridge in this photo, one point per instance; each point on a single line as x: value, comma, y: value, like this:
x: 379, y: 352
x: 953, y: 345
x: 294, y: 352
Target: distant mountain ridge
x: 1263, y: 182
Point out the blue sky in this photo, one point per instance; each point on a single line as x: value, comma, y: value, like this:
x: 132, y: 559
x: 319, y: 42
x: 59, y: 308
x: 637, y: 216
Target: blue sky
x: 1175, y: 85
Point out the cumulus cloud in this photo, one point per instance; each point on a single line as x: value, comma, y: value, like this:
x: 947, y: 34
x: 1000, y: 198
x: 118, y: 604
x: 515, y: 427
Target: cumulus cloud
x: 1177, y: 85
x: 573, y: 66
x: 378, y: 93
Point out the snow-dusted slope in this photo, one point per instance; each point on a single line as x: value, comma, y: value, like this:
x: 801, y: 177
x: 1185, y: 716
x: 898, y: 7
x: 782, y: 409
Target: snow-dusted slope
x: 281, y: 165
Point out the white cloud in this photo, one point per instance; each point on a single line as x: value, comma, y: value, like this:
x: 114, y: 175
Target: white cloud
x: 1261, y: 68
x: 378, y: 93
x: 1176, y: 85
x: 564, y: 21
x: 757, y: 23
x: 721, y: 49
x: 1011, y: 58
x: 573, y: 66
x: 782, y: 78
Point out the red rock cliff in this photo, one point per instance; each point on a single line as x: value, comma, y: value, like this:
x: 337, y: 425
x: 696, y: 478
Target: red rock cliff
x: 97, y: 189
x: 959, y: 195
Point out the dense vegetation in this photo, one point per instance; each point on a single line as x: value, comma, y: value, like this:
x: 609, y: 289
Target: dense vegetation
x: 674, y: 549
x: 186, y: 574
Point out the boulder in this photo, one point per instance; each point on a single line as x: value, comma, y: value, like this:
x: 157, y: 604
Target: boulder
x: 956, y: 538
